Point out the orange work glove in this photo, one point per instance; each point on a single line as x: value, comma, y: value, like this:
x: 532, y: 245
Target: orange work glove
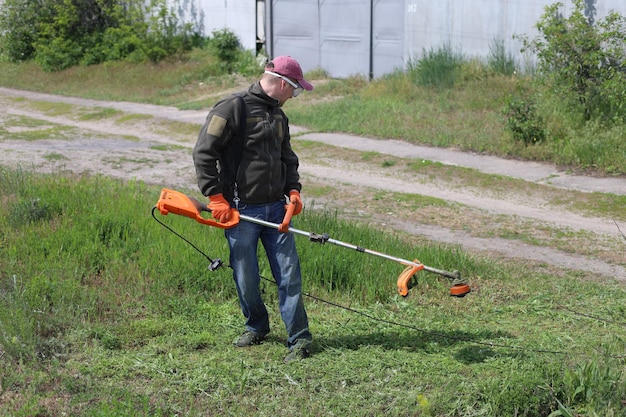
x: 294, y: 198
x: 220, y: 209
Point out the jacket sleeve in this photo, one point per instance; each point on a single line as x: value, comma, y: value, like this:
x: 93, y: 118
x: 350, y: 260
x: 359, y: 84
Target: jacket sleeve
x: 290, y: 159
x: 214, y: 136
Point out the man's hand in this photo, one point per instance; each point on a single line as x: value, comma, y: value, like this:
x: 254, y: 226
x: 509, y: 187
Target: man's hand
x: 294, y: 198
x: 220, y: 209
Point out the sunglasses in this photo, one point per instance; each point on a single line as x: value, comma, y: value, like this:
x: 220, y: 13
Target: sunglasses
x: 297, y: 88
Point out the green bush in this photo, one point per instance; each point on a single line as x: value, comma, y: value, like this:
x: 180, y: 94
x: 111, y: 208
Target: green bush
x: 583, y: 60
x: 19, y: 20
x: 65, y: 33
x: 28, y: 211
x: 225, y: 45
x: 524, y: 121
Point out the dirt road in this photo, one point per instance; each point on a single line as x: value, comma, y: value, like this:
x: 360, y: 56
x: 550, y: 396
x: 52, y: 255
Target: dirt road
x: 153, y: 143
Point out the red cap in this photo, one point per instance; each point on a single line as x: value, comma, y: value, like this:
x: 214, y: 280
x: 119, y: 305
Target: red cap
x: 289, y: 67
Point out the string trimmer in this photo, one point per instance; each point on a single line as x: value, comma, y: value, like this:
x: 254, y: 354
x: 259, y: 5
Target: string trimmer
x: 176, y: 202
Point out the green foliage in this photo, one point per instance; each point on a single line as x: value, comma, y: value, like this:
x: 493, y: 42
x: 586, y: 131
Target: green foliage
x: 593, y: 386
x: 524, y: 121
x: 19, y: 20
x: 226, y: 46
x: 29, y: 211
x: 436, y: 67
x: 67, y: 33
x: 125, y: 39
x: 584, y: 60
x: 165, y: 34
x: 500, y: 61
x: 58, y: 44
x: 594, y: 145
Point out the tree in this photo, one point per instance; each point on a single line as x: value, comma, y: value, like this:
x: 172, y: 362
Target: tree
x: 19, y: 27
x: 62, y: 33
x: 584, y: 60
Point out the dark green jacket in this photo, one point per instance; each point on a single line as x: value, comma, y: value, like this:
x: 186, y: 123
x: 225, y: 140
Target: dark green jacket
x: 268, y: 167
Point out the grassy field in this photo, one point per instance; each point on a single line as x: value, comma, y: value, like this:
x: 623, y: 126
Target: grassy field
x: 104, y: 312
x: 107, y: 313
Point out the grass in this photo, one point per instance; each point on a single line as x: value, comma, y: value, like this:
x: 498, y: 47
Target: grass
x: 176, y: 81
x: 105, y: 312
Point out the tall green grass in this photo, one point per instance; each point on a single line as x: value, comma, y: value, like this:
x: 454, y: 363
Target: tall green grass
x: 105, y: 312
x: 437, y: 67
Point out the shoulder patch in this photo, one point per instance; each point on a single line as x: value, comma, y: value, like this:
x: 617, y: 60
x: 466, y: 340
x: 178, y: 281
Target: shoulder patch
x: 216, y: 126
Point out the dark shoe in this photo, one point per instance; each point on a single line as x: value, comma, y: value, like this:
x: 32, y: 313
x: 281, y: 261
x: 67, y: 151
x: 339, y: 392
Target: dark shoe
x: 299, y: 351
x: 249, y: 338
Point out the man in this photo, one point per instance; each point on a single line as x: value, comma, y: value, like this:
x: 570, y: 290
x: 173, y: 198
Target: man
x: 243, y: 159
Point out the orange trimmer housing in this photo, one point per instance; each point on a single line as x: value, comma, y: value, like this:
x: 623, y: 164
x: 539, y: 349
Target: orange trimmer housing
x: 176, y: 202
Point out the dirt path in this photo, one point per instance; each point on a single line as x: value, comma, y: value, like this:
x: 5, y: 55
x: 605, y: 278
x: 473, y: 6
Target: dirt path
x: 37, y: 134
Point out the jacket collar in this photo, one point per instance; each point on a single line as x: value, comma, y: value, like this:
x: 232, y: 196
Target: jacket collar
x: 257, y: 92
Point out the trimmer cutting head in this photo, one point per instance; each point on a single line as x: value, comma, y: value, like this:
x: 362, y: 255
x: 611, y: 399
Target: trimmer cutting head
x: 459, y: 290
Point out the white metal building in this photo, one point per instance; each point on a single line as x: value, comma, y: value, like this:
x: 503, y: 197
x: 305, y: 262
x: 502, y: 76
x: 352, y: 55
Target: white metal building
x: 373, y: 37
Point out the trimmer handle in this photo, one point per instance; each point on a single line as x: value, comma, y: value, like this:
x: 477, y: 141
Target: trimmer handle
x: 179, y: 203
x: 284, y: 226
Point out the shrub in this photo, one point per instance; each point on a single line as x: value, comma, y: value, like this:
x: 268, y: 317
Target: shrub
x: 29, y: 211
x: 225, y: 45
x: 524, y: 121
x: 56, y: 47
x: 583, y: 60
x: 19, y: 20
x: 65, y: 33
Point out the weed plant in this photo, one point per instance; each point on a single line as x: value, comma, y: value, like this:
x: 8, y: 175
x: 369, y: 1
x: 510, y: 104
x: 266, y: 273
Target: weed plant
x: 500, y: 60
x: 437, y: 67
x: 105, y: 312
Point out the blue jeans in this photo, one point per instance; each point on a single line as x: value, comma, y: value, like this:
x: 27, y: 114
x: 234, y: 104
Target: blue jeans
x: 285, y: 265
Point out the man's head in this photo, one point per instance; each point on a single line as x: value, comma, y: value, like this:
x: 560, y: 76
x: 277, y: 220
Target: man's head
x: 283, y: 79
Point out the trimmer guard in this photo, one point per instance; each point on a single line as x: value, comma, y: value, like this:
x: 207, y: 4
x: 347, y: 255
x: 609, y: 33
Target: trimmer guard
x: 405, y: 277
x: 179, y: 203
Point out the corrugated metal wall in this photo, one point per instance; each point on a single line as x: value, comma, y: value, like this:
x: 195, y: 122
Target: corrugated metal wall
x: 240, y: 16
x: 373, y: 37
x: 344, y: 37
x: 472, y: 26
